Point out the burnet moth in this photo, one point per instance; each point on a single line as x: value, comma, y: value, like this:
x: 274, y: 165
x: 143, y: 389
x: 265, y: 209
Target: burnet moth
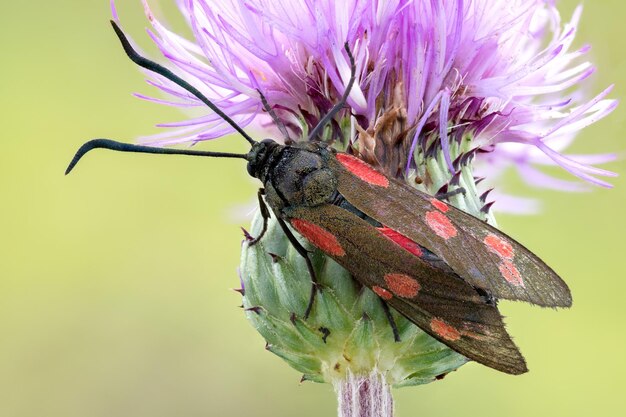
x: 440, y: 267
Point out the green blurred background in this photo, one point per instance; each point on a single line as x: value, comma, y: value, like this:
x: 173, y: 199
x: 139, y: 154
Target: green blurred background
x: 115, y: 282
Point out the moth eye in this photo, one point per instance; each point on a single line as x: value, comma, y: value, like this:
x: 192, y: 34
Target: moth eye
x: 251, y: 169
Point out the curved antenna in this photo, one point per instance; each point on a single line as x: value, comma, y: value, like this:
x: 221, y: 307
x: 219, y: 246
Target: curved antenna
x: 127, y: 147
x: 161, y: 70
x: 337, y: 107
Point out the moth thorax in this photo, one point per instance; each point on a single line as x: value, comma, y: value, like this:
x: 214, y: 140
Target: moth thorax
x: 319, y: 187
x: 303, y: 178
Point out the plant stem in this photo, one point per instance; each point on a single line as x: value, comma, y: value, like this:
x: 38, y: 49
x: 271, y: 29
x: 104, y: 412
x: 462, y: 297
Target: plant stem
x: 364, y: 396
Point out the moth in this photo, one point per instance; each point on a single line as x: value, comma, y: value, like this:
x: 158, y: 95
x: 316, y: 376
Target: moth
x: 440, y: 267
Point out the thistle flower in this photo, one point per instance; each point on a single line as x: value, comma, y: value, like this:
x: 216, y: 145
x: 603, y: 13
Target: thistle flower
x: 503, y: 73
x: 448, y: 93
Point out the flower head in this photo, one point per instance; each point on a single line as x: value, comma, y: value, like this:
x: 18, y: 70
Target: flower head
x: 504, y: 74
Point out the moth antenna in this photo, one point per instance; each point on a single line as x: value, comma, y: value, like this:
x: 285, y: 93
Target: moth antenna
x: 161, y: 70
x: 337, y: 107
x: 127, y: 147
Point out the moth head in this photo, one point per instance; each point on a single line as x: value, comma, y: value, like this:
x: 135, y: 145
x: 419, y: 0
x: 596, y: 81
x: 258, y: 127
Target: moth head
x: 258, y: 155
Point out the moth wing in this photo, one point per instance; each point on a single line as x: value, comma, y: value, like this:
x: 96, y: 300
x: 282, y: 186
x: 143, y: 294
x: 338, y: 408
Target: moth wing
x: 479, y: 253
x: 440, y: 303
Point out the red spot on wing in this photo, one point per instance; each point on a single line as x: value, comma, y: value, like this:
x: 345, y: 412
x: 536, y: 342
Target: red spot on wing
x: 382, y: 293
x: 440, y: 224
x: 362, y: 170
x: 319, y: 237
x: 403, y: 241
x: 510, y: 273
x: 444, y: 330
x: 439, y: 205
x: 505, y: 251
x: 499, y: 246
x: 402, y: 285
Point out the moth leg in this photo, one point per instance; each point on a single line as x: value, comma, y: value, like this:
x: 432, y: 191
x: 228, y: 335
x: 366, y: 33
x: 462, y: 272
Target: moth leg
x: 279, y: 123
x: 448, y: 194
x: 392, y: 322
x: 305, y: 254
x: 342, y: 102
x: 265, y: 213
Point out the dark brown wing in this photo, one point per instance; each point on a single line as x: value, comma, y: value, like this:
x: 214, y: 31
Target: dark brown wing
x: 441, y: 304
x: 481, y: 254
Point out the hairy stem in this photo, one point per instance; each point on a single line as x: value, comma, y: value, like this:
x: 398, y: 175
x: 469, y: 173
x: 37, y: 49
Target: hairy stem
x: 364, y: 396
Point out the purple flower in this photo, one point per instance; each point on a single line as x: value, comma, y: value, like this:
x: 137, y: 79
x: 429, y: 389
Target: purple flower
x: 431, y: 73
